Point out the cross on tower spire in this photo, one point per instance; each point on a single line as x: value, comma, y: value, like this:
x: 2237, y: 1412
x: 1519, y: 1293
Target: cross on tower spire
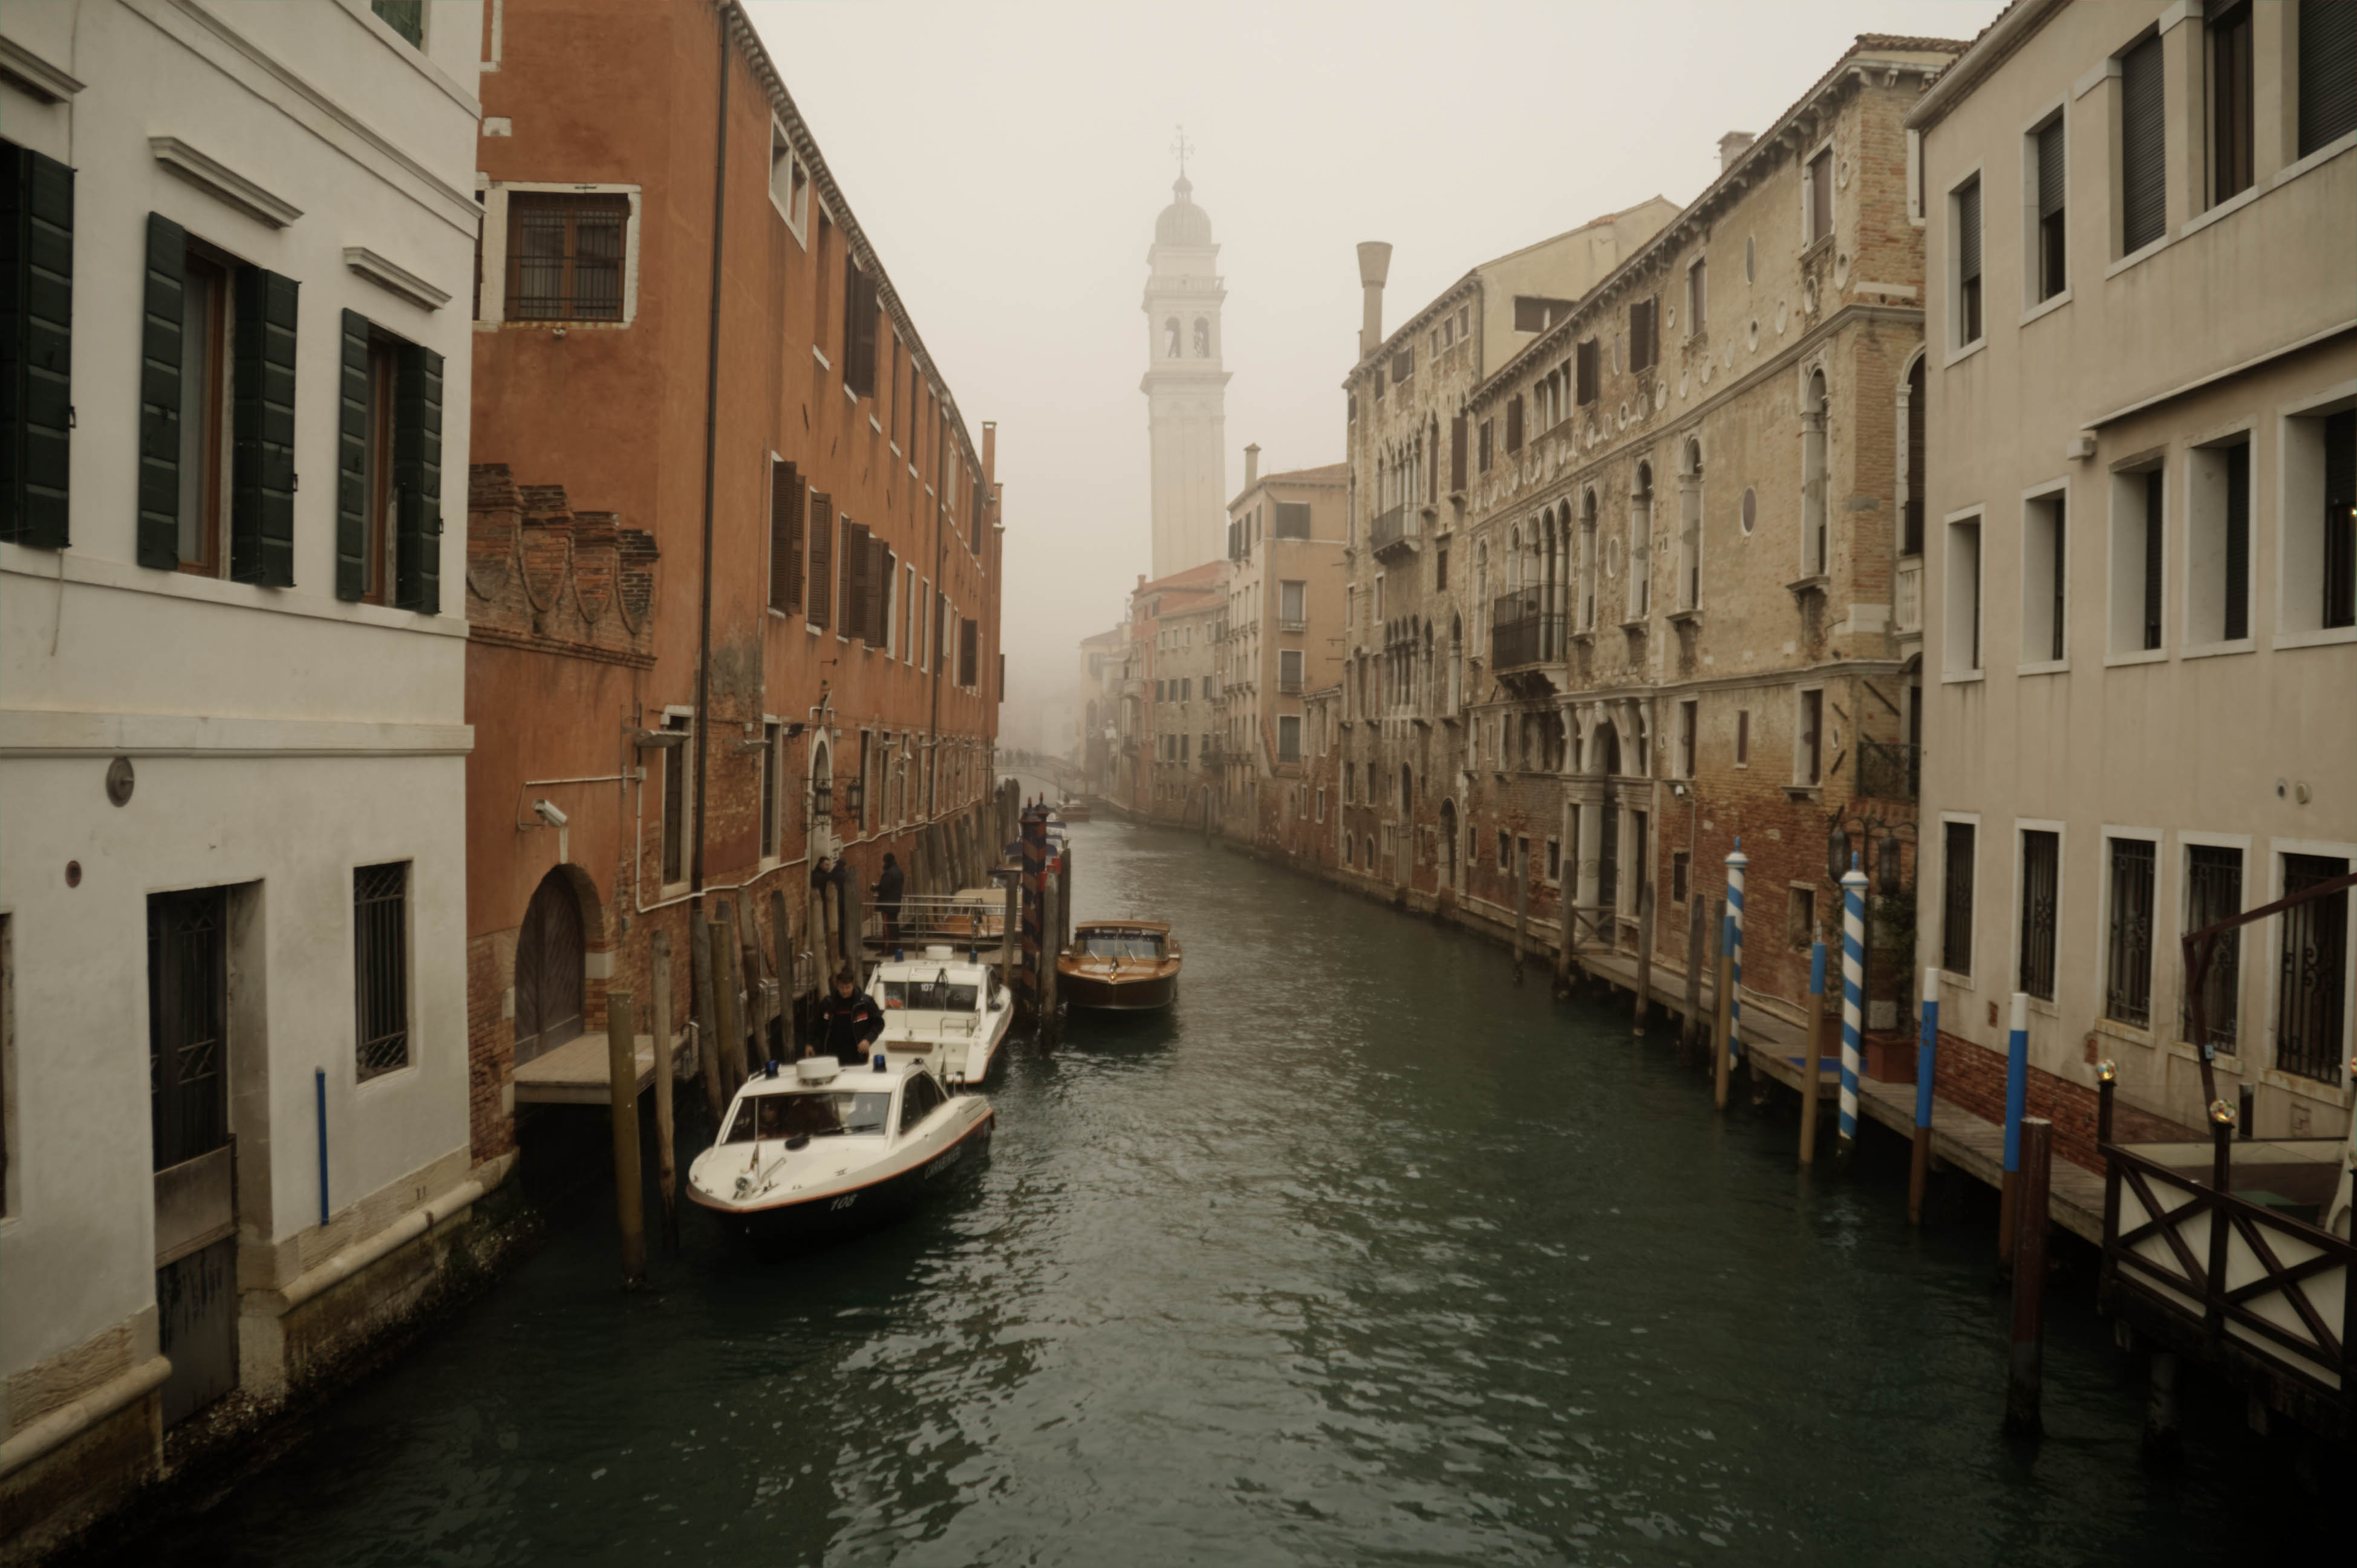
x: 1179, y: 148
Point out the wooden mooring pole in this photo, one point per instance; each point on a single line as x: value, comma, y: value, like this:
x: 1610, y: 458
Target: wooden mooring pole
x: 1919, y: 1168
x: 1051, y: 917
x: 781, y: 933
x: 1813, y: 1053
x: 1722, y: 1045
x: 729, y: 1042
x: 623, y: 1083
x: 2017, y: 1102
x: 2025, y: 1375
x: 708, y: 1021
x: 1644, y: 950
x: 666, y: 1169
x: 1522, y: 906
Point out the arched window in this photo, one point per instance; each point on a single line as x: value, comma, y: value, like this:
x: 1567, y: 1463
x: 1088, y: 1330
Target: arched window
x: 1690, y: 528
x: 1170, y: 338
x: 1817, y: 550
x: 1640, y: 544
x: 1203, y: 338
x: 1587, y: 563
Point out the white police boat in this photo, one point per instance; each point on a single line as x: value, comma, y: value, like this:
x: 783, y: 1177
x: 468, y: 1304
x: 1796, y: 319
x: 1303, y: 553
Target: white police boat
x: 824, y: 1150
x: 948, y: 1015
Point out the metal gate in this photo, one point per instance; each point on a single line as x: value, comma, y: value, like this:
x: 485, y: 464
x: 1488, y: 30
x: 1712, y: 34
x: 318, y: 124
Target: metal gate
x: 548, y: 970
x: 1608, y: 858
x: 196, y: 1211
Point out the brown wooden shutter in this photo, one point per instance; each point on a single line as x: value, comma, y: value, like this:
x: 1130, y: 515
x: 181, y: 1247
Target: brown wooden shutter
x: 2144, y: 125
x: 879, y: 584
x: 785, y: 537
x: 969, y: 650
x: 1514, y: 423
x: 1457, y: 453
x: 822, y: 557
x: 853, y: 569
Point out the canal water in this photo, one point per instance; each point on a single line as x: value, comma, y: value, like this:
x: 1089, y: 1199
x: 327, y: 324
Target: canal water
x: 1364, y: 1255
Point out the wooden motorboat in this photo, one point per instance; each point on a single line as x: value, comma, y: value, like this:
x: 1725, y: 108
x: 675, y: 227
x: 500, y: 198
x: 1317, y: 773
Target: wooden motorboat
x: 1119, y: 966
x: 946, y: 1015
x: 826, y: 1150
x: 1073, y: 811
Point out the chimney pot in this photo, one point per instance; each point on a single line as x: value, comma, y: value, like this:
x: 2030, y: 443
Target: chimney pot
x: 1732, y: 146
x: 1374, y: 266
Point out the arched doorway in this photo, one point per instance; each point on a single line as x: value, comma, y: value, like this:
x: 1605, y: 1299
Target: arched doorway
x: 549, y: 968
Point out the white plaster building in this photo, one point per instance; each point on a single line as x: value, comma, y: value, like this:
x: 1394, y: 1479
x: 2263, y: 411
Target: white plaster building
x: 239, y: 243
x: 2139, y: 561
x: 1185, y: 388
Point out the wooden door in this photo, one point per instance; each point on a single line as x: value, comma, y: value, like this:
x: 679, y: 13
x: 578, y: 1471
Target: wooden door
x: 188, y: 1084
x: 548, y: 972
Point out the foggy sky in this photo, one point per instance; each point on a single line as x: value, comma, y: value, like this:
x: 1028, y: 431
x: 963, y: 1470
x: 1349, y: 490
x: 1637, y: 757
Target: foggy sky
x: 1008, y: 161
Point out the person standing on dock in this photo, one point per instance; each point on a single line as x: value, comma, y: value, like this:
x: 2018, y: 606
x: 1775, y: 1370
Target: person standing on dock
x: 848, y: 1021
x: 890, y: 885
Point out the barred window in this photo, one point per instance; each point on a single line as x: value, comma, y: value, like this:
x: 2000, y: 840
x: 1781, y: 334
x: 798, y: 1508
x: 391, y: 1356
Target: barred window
x: 2127, y: 979
x: 564, y: 255
x: 1956, y: 901
x: 380, y: 966
x: 2041, y: 872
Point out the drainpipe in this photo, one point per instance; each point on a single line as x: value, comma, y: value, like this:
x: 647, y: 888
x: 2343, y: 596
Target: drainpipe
x: 711, y: 445
x: 933, y: 720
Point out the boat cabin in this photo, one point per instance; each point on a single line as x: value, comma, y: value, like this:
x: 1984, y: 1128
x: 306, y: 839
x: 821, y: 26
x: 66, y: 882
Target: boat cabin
x: 1125, y: 942
x: 824, y: 1100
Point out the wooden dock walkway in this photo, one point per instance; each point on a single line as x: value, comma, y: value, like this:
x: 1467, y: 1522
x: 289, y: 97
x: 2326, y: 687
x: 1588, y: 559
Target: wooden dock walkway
x: 574, y: 1073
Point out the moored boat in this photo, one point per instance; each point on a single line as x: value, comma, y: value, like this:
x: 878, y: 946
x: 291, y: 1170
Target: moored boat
x: 1119, y: 966
x: 946, y: 1015
x: 826, y: 1150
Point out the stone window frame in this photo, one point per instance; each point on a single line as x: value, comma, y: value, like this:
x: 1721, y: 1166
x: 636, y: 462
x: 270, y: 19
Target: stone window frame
x: 2018, y: 847
x: 2164, y: 875
x: 1961, y: 980
x: 2033, y: 496
x: 495, y: 195
x: 1959, y: 348
x: 2298, y: 437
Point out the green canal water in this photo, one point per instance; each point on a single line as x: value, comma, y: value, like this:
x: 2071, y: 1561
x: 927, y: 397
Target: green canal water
x: 1365, y: 1255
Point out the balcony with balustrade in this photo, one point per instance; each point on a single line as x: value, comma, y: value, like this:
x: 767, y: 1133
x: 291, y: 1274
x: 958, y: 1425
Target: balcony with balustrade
x: 1523, y: 633
x: 1394, y: 535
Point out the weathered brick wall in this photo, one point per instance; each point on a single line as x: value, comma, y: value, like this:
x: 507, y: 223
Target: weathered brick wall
x: 1972, y: 1077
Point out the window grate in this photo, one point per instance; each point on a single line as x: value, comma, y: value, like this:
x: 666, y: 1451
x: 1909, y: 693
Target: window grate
x: 2128, y: 971
x: 2213, y: 888
x: 381, y: 965
x: 2312, y: 983
x: 1956, y: 906
x: 564, y: 256
x: 2041, y: 874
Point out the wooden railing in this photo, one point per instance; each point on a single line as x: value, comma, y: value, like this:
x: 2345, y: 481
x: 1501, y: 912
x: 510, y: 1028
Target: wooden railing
x: 2235, y: 1280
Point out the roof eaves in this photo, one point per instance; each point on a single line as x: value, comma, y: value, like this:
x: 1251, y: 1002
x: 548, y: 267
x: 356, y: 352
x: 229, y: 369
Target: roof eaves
x: 1764, y: 149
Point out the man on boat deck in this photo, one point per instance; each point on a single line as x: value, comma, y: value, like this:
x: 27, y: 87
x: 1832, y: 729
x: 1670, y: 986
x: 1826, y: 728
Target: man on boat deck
x: 848, y: 1021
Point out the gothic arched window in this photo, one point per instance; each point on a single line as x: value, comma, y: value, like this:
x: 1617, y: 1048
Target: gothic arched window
x: 1203, y: 338
x: 1170, y: 338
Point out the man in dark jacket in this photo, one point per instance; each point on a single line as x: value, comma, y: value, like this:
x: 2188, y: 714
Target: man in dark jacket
x: 890, y: 886
x: 848, y: 1021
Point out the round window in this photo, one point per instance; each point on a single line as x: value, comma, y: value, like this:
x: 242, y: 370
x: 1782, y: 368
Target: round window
x: 1751, y: 508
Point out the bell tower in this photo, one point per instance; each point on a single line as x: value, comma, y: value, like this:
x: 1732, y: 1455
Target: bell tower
x: 1185, y: 388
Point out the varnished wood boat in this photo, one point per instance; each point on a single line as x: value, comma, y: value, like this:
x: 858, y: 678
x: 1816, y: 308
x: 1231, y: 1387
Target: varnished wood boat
x: 1119, y: 966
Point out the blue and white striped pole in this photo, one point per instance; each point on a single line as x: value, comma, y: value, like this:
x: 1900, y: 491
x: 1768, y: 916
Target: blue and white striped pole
x: 2017, y: 1102
x: 1735, y: 862
x: 1926, y: 1064
x: 1853, y: 1000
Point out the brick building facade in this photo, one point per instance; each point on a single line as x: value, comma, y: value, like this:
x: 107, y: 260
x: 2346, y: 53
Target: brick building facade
x: 777, y: 632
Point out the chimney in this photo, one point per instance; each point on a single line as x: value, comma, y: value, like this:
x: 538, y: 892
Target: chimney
x: 1732, y: 146
x: 1374, y: 266
x: 1251, y: 465
x: 989, y: 451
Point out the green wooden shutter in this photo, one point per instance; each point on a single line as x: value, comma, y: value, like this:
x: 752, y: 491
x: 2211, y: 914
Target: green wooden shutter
x: 417, y: 471
x: 36, y: 348
x: 261, y: 463
x: 160, y: 348
x: 351, y: 461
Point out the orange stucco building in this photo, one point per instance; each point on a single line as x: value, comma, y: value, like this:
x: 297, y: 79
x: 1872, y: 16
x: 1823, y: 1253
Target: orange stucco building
x: 733, y: 577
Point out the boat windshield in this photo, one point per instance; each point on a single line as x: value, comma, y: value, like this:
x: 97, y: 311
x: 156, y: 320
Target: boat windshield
x: 821, y: 1115
x: 944, y: 995
x: 1139, y: 946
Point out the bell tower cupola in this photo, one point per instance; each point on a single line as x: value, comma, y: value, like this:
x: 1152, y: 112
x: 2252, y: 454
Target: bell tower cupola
x: 1185, y: 385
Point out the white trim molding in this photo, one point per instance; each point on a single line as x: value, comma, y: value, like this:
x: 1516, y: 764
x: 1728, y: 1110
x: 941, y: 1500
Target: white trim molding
x: 395, y: 278
x: 36, y: 75
x: 222, y: 182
